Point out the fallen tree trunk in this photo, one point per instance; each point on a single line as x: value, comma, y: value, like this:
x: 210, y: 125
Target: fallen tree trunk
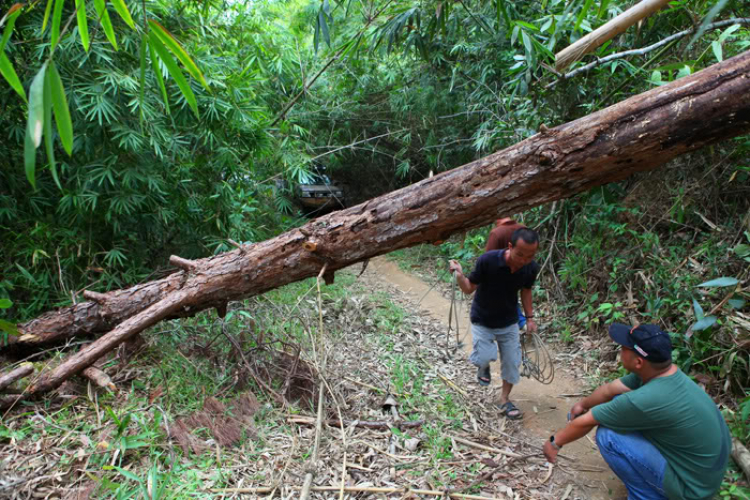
x: 635, y: 135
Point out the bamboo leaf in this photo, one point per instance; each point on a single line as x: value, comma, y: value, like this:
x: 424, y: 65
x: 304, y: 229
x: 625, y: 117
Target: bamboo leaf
x: 174, y: 71
x: 582, y: 14
x: 34, y: 124
x: 62, y: 112
x: 6, y: 69
x: 174, y: 46
x: 48, y: 137
x: 11, y: 16
x: 720, y: 282
x: 47, y: 12
x: 56, y: 21
x: 7, y: 304
x: 159, y: 76
x: 106, y: 22
x: 83, y: 27
x: 122, y: 9
x: 324, y: 28
x: 144, y: 43
x: 501, y: 10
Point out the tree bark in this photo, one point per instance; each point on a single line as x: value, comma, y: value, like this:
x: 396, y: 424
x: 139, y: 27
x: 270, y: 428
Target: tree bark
x: 635, y: 135
x: 741, y: 456
x: 23, y: 370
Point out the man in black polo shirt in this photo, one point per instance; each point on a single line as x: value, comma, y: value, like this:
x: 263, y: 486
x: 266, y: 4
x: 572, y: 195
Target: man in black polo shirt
x: 498, y: 277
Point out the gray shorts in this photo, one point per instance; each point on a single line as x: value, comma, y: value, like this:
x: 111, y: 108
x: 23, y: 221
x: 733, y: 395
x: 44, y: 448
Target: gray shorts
x: 485, y: 350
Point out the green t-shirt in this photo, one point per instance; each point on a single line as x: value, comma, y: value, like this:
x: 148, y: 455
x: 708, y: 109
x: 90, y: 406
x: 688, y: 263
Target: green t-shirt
x: 682, y: 421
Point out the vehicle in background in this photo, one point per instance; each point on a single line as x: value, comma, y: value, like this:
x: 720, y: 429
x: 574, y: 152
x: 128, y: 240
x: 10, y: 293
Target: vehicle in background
x: 317, y: 194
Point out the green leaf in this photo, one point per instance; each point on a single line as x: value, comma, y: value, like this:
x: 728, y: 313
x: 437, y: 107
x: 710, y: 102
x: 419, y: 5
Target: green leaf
x: 9, y: 328
x: 174, y: 71
x: 698, y: 310
x: 144, y: 44
x: 718, y: 6
x: 159, y: 76
x: 6, y: 303
x: 736, y: 303
x: 56, y: 21
x: 727, y: 32
x: 6, y: 69
x: 720, y: 282
x: 582, y: 14
x: 128, y: 474
x: 704, y: 323
x: 324, y: 28
x: 11, y: 16
x: 174, y: 46
x: 122, y: 9
x: 603, y: 8
x: 716, y: 47
x: 35, y: 124
x: 83, y: 27
x: 48, y: 137
x: 62, y: 112
x: 502, y: 10
x: 47, y: 12
x: 101, y: 10
x: 526, y: 25
x: 27, y: 274
x: 742, y: 250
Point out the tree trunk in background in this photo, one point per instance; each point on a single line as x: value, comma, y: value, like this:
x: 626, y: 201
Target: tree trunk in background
x: 635, y: 135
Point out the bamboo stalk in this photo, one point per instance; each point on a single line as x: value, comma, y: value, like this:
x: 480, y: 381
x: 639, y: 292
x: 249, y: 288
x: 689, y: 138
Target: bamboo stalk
x: 639, y: 11
x: 741, y: 456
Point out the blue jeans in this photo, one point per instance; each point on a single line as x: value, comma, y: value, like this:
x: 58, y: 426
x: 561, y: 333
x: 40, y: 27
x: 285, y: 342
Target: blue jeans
x: 635, y: 461
x: 521, y: 317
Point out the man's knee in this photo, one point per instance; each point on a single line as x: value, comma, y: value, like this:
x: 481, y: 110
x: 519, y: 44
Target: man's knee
x: 603, y: 436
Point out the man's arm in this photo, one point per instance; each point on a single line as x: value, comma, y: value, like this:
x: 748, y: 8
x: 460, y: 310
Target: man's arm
x: 464, y: 284
x: 602, y: 394
x: 528, y: 309
x: 583, y: 422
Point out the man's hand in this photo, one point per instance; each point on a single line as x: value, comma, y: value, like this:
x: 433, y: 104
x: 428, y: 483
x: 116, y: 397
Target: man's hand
x: 454, y: 266
x: 577, y: 410
x: 550, y: 452
x: 531, y: 325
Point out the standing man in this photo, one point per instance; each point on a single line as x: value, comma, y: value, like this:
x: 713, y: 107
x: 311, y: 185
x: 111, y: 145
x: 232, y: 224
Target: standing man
x: 663, y: 435
x: 499, y: 239
x: 498, y: 277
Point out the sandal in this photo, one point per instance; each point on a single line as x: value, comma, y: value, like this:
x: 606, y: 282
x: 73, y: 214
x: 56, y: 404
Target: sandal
x: 511, y: 411
x: 483, y: 376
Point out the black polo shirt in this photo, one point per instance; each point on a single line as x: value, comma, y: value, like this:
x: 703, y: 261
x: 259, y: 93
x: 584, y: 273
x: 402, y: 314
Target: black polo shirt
x: 495, y: 304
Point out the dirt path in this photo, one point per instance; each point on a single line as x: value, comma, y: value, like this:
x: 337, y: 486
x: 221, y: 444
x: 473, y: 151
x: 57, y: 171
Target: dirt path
x: 545, y: 410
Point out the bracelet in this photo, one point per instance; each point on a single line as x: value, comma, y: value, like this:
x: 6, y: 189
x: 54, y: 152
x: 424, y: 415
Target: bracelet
x: 552, y: 442
x: 531, y: 316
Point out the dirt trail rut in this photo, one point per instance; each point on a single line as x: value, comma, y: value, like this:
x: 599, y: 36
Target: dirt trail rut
x: 545, y: 410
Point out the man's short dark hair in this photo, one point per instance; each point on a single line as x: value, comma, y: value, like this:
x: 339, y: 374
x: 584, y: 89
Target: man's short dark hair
x: 660, y: 365
x: 528, y: 235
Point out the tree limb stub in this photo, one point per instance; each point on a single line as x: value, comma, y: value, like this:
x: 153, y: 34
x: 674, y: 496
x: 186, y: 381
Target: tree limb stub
x: 99, y: 298
x: 99, y: 378
x: 638, y: 134
x: 184, y: 264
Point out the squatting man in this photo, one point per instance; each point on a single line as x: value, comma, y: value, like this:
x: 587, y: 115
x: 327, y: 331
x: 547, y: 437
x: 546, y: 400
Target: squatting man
x: 498, y: 277
x: 659, y: 432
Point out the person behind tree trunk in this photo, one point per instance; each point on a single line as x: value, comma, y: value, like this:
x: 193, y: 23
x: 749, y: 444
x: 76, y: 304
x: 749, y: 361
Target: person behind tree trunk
x: 498, y: 277
x: 499, y: 239
x: 661, y: 434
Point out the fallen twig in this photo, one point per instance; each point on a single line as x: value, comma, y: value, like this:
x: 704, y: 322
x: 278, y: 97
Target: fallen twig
x: 357, y: 489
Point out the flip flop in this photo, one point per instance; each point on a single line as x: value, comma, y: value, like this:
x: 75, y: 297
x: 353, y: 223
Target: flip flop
x: 509, y: 407
x: 483, y: 376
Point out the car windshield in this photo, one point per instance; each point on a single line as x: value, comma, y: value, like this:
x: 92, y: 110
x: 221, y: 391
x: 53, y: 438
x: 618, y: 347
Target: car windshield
x: 317, y: 179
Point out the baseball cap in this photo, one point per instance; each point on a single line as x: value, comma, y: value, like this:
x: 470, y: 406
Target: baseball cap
x: 649, y: 341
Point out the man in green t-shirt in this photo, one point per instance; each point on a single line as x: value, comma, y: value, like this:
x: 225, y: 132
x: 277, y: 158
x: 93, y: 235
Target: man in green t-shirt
x: 658, y: 430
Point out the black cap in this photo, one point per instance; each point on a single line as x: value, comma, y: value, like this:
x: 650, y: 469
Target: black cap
x: 648, y: 341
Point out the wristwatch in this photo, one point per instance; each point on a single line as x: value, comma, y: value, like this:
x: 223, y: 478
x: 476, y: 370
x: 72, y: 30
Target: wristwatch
x: 554, y: 445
